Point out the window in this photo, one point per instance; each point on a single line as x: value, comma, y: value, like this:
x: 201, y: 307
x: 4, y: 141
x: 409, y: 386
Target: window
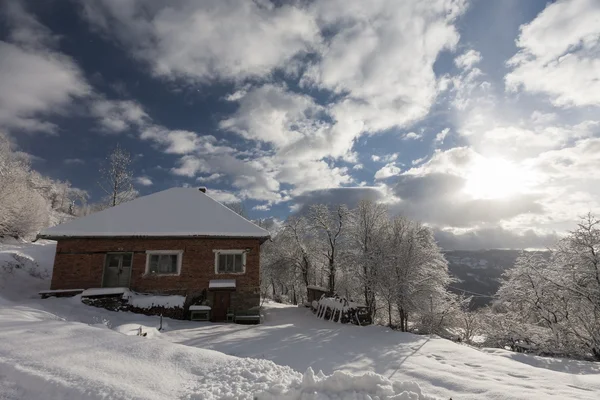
x: 163, y: 262
x: 230, y: 261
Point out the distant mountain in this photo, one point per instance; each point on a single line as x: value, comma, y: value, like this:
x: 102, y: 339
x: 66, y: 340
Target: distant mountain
x: 479, y: 272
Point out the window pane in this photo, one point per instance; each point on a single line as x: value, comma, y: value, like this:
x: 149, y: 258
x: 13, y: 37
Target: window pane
x: 164, y: 264
x: 222, y: 262
x: 113, y: 260
x: 229, y: 267
x: 238, y: 262
x: 154, y: 263
x: 127, y: 260
x: 173, y: 263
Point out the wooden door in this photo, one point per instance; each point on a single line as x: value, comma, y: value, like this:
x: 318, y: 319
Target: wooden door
x: 117, y: 270
x: 220, y: 305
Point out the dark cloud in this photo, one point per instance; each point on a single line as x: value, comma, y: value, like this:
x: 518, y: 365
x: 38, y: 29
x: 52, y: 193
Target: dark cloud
x: 494, y: 238
x: 437, y: 199
x: 348, y: 196
x: 411, y: 187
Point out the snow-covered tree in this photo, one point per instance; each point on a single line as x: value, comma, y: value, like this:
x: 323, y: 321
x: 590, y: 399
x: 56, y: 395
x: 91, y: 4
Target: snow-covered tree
x: 560, y: 294
x: 117, y: 177
x: 329, y: 226
x: 413, y: 276
x: 366, y: 224
x: 23, y: 210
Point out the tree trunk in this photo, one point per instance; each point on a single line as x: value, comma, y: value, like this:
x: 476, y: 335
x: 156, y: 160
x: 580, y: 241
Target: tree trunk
x: 331, y: 277
x: 390, y: 314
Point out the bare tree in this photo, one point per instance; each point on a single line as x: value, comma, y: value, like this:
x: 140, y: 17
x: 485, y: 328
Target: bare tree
x: 238, y: 207
x: 117, y: 177
x: 330, y: 225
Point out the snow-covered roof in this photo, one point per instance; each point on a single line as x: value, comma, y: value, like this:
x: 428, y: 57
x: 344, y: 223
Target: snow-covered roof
x: 221, y: 284
x: 172, y: 212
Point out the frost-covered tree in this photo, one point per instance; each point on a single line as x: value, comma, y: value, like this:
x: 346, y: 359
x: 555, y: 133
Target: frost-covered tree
x: 329, y: 225
x: 117, y: 177
x: 366, y: 224
x: 413, y: 276
x: 23, y: 210
x: 560, y: 294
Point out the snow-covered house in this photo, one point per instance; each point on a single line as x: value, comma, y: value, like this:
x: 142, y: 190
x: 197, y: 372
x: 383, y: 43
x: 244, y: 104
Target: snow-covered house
x: 178, y: 241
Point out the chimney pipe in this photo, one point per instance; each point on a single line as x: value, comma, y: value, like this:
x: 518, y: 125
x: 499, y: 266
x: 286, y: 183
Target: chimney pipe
x: 202, y: 189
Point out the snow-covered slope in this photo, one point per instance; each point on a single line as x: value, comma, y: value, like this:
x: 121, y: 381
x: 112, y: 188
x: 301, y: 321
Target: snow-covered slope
x: 48, y: 351
x: 62, y: 349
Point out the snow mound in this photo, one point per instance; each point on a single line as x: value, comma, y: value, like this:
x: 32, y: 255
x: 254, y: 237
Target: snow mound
x: 343, y: 385
x: 21, y: 276
x: 134, y: 330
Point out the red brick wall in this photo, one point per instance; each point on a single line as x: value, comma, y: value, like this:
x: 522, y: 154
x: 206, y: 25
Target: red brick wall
x: 79, y: 264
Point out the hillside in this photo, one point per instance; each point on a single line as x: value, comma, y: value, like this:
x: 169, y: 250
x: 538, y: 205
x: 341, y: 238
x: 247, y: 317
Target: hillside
x: 479, y: 272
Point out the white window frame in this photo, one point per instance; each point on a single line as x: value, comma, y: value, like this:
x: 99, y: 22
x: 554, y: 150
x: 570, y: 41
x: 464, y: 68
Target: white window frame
x: 179, y: 254
x: 235, y: 251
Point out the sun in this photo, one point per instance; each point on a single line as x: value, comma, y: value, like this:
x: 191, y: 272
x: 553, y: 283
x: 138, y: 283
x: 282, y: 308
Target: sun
x: 495, y: 178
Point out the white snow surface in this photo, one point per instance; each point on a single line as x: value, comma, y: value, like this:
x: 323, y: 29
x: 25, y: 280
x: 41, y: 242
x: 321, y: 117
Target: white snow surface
x: 221, y: 284
x: 59, y: 348
x: 149, y: 301
x: 172, y: 212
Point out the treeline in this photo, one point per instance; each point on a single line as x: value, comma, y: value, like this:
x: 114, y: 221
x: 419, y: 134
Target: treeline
x: 30, y: 201
x: 390, y: 264
x: 545, y: 305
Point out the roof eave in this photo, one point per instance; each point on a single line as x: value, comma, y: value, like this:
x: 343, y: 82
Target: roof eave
x: 142, y: 236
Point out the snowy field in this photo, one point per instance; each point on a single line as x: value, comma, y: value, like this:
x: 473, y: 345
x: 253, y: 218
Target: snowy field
x: 62, y: 349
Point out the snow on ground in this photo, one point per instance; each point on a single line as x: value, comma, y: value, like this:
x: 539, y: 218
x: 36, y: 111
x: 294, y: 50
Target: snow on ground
x: 63, y: 349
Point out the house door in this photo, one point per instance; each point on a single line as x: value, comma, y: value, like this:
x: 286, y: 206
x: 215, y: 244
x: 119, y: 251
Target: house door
x: 117, y: 270
x: 220, y: 305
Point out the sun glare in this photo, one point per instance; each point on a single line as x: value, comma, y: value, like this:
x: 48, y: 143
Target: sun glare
x: 495, y: 178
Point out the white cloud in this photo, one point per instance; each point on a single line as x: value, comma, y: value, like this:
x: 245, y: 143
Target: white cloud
x: 210, y: 178
x: 35, y: 79
x: 115, y: 116
x: 441, y: 136
x: 272, y: 114
x: 387, y: 171
x: 358, y: 167
x: 378, y: 58
x: 381, y: 54
x: 558, y: 54
x: 71, y: 161
x: 386, y: 158
x: 144, y: 181
x: 413, y: 136
x: 202, y: 40
x: 468, y: 59
x: 262, y: 207
x: 222, y: 196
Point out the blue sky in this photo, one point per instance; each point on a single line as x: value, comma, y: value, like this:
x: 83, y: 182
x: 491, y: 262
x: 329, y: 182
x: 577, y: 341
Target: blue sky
x: 478, y: 118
